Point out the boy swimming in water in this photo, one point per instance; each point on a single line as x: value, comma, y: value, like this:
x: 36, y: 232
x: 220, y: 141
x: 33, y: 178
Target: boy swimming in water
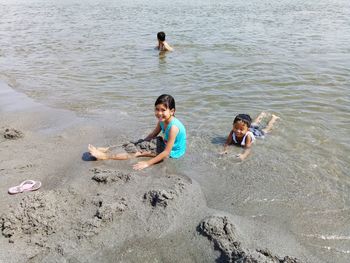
x: 243, y: 132
x: 162, y: 44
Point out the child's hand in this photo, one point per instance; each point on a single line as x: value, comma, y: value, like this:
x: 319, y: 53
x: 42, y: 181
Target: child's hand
x: 223, y: 152
x: 141, y: 165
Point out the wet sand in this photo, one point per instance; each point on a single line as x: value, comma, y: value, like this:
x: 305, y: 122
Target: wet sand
x: 103, y: 211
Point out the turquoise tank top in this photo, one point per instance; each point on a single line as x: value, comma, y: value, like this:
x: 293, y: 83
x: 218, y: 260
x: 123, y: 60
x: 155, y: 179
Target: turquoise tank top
x: 179, y: 147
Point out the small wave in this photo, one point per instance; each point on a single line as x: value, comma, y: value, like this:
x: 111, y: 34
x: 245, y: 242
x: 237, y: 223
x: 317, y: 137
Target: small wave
x: 330, y: 237
x: 330, y: 211
x: 266, y: 200
x: 337, y: 250
x: 333, y: 249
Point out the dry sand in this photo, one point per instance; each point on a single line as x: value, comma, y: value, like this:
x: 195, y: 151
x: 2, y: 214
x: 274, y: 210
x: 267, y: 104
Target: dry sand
x: 103, y: 211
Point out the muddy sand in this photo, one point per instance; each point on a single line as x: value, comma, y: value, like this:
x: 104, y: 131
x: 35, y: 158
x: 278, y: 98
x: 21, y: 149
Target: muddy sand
x: 103, y: 211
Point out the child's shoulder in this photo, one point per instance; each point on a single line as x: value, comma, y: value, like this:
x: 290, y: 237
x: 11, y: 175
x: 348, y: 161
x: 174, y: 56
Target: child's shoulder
x: 177, y: 121
x: 250, y: 135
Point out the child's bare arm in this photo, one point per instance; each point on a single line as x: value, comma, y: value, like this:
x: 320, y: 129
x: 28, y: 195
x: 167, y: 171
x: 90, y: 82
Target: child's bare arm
x: 168, y: 47
x: 228, y: 142
x: 164, y: 154
x: 245, y: 154
x: 247, y: 149
x: 154, y: 133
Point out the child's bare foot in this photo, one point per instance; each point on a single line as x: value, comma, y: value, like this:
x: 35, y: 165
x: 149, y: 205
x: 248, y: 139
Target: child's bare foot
x: 275, y: 117
x: 269, y: 126
x: 259, y: 118
x: 103, y: 149
x: 95, y: 152
x: 262, y: 114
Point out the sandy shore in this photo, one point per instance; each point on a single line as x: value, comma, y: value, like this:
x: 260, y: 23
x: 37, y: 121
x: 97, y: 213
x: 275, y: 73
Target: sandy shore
x: 103, y: 211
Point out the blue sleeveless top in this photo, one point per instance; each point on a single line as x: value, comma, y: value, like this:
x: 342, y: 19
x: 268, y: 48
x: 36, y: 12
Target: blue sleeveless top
x: 179, y: 147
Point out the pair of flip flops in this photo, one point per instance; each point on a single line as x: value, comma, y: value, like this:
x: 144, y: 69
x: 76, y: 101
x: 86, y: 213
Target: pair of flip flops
x: 25, y: 186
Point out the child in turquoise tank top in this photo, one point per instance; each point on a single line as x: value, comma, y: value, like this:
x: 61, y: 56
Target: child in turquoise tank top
x: 173, y: 143
x: 179, y: 147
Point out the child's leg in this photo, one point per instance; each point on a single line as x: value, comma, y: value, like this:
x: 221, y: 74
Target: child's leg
x: 121, y: 156
x: 270, y: 124
x: 259, y: 118
x: 145, y: 154
x: 101, y: 154
x: 126, y: 156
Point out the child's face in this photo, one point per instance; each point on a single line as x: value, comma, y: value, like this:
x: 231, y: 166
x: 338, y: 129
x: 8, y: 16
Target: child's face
x: 162, y: 112
x: 240, y: 129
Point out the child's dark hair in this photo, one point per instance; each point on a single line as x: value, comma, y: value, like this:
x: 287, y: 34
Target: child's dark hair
x: 244, y: 118
x: 166, y: 100
x: 161, y: 36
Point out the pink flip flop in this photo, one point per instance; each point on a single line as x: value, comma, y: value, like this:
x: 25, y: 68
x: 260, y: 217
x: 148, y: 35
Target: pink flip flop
x: 27, y: 185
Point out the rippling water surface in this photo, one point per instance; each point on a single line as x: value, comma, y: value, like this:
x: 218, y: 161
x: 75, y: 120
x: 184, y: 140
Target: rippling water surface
x: 287, y: 57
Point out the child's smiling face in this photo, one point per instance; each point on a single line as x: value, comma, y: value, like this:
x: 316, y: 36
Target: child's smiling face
x: 163, y: 113
x: 240, y: 129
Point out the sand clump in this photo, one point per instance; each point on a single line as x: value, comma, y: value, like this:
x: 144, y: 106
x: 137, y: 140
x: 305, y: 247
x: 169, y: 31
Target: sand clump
x: 107, y: 210
x: 11, y: 134
x: 224, y: 235
x: 44, y: 216
x: 144, y: 146
x: 109, y: 176
x: 104, y: 212
x: 162, y: 197
x: 33, y: 216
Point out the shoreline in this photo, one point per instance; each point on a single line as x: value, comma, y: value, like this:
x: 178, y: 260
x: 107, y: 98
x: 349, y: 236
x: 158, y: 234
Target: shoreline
x: 104, y: 204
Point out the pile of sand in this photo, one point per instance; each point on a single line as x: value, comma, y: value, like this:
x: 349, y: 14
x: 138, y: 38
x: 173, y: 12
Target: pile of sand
x: 225, y: 238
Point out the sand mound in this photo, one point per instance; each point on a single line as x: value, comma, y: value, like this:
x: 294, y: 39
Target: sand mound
x: 11, y: 134
x: 42, y: 217
x: 159, y: 197
x: 224, y: 235
x: 144, y: 146
x: 162, y: 197
x: 35, y: 214
x: 110, y: 176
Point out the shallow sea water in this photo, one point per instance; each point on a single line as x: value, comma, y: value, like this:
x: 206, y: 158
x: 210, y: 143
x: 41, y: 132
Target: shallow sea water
x: 286, y: 57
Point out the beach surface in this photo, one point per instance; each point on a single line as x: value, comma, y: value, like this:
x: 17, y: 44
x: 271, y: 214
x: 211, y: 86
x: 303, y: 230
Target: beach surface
x: 74, y: 73
x: 103, y: 211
